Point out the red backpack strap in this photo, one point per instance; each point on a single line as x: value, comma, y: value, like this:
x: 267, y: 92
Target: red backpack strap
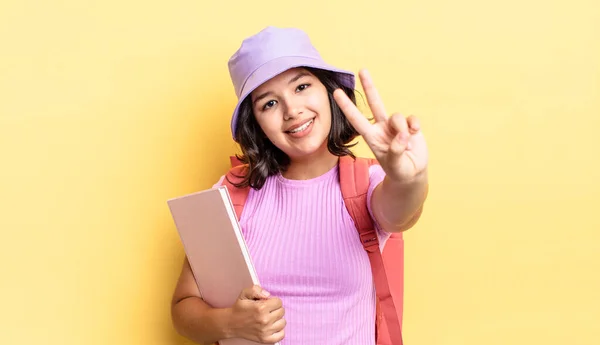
x: 235, y: 161
x: 238, y: 195
x: 354, y: 183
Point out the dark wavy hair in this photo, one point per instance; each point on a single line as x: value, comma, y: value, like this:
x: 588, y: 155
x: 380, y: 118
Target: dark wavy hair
x: 264, y: 159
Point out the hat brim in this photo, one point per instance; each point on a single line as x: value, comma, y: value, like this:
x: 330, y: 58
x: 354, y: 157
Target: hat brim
x: 277, y: 66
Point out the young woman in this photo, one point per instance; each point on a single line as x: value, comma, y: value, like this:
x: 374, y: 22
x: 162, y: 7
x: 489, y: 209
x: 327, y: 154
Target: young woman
x: 295, y: 118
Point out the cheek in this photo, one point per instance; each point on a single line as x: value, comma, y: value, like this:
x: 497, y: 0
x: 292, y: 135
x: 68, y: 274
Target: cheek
x: 320, y: 103
x: 269, y: 125
x: 325, y: 112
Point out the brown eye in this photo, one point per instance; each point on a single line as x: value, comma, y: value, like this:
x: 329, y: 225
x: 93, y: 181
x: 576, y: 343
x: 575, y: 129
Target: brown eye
x: 302, y: 87
x: 268, y: 105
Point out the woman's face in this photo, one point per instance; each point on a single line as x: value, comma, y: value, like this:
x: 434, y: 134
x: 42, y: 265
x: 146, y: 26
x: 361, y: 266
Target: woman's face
x: 294, y: 112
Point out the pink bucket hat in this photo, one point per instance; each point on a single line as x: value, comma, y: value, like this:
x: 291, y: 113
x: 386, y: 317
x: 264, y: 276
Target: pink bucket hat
x: 270, y: 52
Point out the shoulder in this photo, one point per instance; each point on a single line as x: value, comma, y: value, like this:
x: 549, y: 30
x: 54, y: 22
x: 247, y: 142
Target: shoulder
x: 219, y: 182
x: 376, y: 174
x: 233, y: 175
x: 376, y: 177
x: 360, y: 166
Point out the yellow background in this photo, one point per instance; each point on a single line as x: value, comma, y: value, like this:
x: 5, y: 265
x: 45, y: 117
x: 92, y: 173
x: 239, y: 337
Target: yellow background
x: 109, y: 108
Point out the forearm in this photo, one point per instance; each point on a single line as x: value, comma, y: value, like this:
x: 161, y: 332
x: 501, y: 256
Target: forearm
x: 397, y: 206
x: 197, y: 321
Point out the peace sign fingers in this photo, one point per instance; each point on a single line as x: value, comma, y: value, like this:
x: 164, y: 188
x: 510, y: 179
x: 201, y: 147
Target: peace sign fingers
x: 354, y: 116
x: 375, y: 102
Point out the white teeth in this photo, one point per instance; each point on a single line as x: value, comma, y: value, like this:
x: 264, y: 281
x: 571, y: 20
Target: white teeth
x: 303, y: 127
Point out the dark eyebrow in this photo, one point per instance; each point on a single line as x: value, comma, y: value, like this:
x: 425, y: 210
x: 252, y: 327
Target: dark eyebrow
x: 261, y: 97
x: 298, y: 76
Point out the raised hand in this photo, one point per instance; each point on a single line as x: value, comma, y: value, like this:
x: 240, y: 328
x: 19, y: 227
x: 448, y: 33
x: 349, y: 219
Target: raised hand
x: 397, y: 142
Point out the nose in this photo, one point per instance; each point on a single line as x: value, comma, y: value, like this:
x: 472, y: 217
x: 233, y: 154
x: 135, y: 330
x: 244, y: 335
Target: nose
x: 293, y: 109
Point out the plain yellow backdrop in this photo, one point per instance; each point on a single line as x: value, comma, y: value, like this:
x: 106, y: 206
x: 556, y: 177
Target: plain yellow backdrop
x: 107, y: 109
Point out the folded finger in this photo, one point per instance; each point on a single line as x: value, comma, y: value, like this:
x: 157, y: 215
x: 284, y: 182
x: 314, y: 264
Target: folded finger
x: 399, y: 124
x: 414, y: 124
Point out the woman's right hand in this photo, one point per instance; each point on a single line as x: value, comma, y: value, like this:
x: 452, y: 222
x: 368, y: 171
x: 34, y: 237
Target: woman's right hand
x: 258, y: 317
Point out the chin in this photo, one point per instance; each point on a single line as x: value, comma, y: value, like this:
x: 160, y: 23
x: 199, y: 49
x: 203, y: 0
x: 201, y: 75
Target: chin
x: 307, y: 149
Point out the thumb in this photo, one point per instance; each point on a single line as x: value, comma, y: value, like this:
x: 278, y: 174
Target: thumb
x: 254, y: 292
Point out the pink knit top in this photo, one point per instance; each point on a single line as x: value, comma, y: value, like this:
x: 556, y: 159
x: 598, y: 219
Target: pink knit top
x: 307, y: 252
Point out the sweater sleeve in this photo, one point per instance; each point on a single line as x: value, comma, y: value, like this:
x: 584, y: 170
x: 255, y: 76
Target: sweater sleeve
x: 376, y: 176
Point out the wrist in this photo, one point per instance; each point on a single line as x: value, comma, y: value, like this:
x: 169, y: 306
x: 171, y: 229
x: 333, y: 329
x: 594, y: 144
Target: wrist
x: 224, y: 317
x: 419, y: 179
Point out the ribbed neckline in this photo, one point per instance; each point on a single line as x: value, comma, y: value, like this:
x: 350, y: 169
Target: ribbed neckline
x: 299, y: 183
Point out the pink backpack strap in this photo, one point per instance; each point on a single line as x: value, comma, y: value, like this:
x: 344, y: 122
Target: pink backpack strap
x: 238, y: 195
x: 354, y: 183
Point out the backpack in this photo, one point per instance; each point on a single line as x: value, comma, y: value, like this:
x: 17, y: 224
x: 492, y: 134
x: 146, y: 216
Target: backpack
x: 354, y: 183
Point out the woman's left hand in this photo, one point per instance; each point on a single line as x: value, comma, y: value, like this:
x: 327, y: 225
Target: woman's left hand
x: 397, y: 142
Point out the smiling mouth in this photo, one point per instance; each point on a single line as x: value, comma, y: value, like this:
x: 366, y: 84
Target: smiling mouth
x: 301, y: 128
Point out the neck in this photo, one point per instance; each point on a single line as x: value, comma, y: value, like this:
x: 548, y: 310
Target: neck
x: 306, y: 168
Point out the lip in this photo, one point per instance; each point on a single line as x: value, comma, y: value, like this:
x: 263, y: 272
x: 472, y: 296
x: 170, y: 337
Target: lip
x: 298, y: 125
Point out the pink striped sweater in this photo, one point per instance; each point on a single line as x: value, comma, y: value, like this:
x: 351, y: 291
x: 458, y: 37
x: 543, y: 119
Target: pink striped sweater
x: 307, y: 252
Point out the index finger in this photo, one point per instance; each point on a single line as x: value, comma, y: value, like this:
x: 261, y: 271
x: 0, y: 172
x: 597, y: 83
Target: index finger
x: 354, y: 116
x: 373, y: 98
